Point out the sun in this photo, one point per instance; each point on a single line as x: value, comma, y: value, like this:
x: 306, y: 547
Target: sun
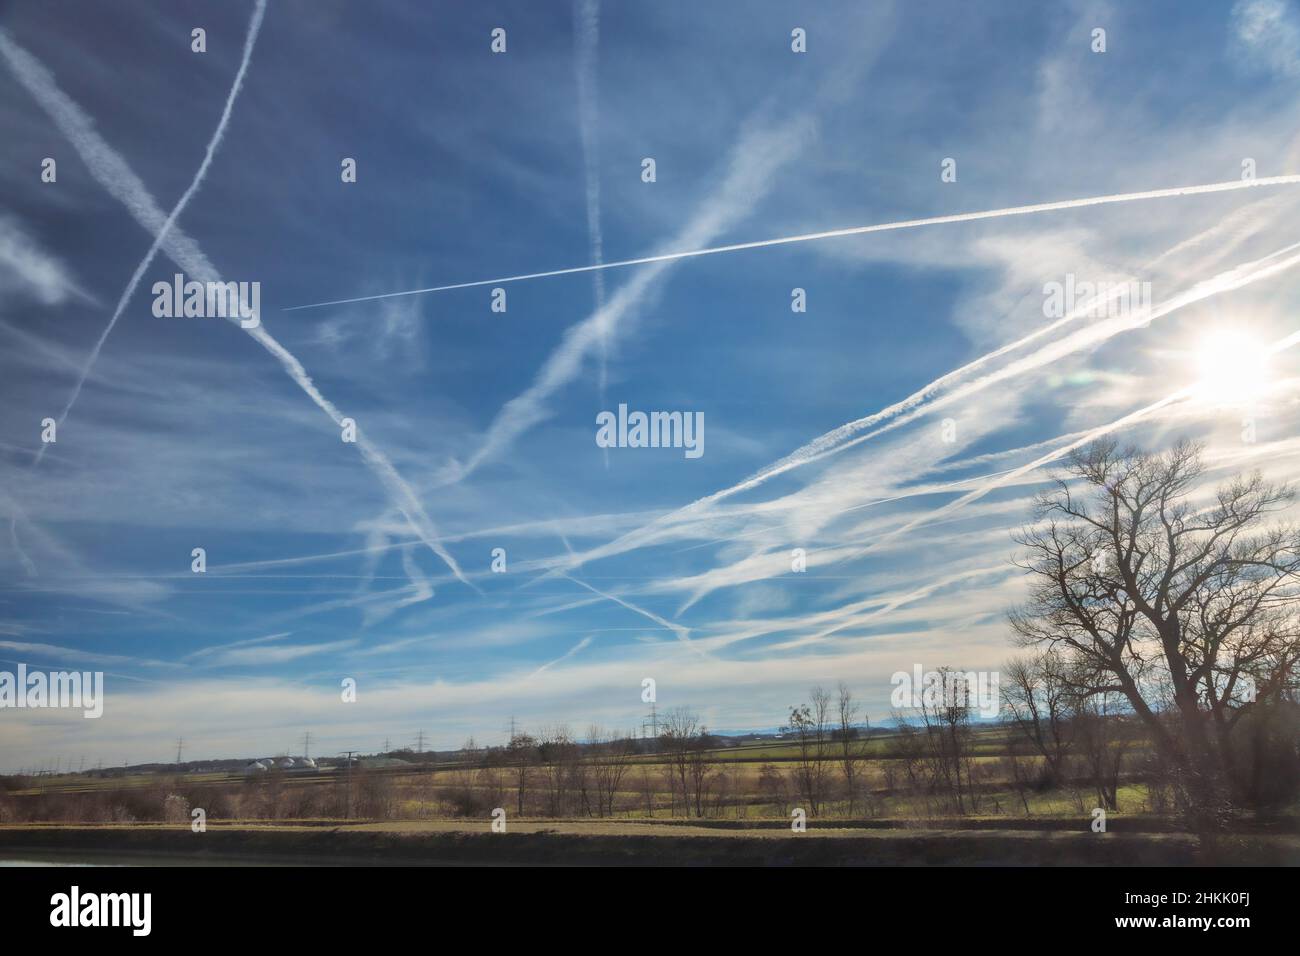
x: 1232, y: 368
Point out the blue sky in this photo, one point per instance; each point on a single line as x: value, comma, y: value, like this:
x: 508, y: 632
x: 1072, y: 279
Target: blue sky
x: 474, y: 165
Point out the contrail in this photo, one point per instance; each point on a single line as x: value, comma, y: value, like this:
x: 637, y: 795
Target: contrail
x: 754, y: 161
x: 841, y: 438
x: 1101, y: 431
x: 585, y: 642
x: 832, y: 439
x: 892, y: 604
x: 683, y: 633
x: 16, y: 513
x: 421, y: 589
x: 835, y: 441
x: 838, y: 233
x: 254, y: 26
x: 586, y: 35
x: 112, y: 171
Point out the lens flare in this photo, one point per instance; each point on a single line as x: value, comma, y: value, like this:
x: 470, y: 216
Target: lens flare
x: 1232, y: 368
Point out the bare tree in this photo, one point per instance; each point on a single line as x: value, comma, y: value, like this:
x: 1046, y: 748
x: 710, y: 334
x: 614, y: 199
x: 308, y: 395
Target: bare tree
x: 1038, y: 700
x: 945, y: 716
x: 905, y: 768
x: 810, y: 723
x: 646, y: 785
x: 1147, y: 584
x: 852, y: 744
x: 1102, y: 743
x: 556, y: 754
x: 610, y: 757
x: 684, y: 739
x: 677, y: 732
x: 1018, y: 774
x: 669, y: 773
x: 700, y: 771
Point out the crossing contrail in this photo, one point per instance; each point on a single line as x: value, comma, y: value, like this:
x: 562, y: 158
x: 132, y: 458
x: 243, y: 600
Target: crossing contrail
x: 842, y: 438
x: 756, y: 158
x: 254, y: 26
x: 683, y: 633
x: 919, y: 402
x: 117, y: 177
x: 1055, y: 454
x: 838, y: 233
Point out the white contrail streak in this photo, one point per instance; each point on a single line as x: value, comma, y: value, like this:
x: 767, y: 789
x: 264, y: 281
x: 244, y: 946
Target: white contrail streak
x: 582, y: 644
x: 683, y: 633
x: 842, y: 438
x: 839, y: 233
x: 1046, y: 459
x: 112, y: 171
x: 15, y: 514
x: 855, y: 618
x: 586, y: 36
x: 898, y: 414
x: 254, y: 26
x: 1060, y: 451
x: 754, y: 162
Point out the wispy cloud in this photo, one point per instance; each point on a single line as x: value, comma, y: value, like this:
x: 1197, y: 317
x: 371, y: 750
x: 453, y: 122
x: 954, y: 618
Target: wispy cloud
x: 64, y: 653
x: 1268, y: 33
x: 203, y: 652
x: 260, y: 652
x: 27, y: 270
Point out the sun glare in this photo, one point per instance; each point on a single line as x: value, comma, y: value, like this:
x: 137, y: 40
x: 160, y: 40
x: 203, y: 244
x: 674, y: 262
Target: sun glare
x: 1232, y: 368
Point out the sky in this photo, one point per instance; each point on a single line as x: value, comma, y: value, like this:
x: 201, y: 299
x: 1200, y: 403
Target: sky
x: 372, y: 560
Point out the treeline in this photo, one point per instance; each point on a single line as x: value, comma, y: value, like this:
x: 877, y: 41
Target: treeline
x: 936, y: 760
